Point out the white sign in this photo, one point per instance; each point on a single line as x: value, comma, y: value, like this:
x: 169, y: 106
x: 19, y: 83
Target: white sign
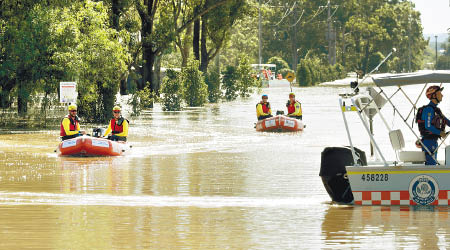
x: 68, y: 92
x: 100, y: 143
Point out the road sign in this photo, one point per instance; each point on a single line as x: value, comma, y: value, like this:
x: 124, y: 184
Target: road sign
x: 68, y: 92
x: 290, y: 76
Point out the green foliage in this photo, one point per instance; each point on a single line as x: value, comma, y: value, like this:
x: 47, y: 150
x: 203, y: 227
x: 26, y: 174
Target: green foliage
x: 229, y: 83
x: 312, y: 71
x: 195, y: 90
x: 279, y: 62
x: 246, y: 80
x: 212, y: 79
x: 171, y: 91
x: 90, y: 52
x: 285, y: 71
x: 444, y: 60
x: 140, y: 100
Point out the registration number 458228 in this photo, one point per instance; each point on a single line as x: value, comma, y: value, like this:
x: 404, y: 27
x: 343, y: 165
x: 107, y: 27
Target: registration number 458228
x: 375, y: 177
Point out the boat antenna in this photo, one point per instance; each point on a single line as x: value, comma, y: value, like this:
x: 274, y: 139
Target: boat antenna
x: 375, y: 69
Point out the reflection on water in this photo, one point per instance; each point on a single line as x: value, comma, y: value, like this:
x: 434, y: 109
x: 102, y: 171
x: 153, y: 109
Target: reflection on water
x: 201, y: 178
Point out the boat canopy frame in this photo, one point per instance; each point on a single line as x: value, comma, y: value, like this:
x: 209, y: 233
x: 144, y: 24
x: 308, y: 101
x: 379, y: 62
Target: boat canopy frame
x: 399, y: 80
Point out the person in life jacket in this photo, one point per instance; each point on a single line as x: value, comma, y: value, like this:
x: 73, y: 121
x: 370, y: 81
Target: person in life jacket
x: 294, y: 107
x: 70, y: 125
x: 118, y: 126
x: 431, y: 123
x: 263, y: 110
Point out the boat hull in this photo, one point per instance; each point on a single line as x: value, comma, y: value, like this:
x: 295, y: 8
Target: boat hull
x: 400, y: 185
x: 91, y: 146
x: 280, y: 123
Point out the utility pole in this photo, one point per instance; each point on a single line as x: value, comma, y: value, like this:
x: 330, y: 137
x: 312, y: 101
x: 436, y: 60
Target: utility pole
x: 259, y: 37
x: 409, y: 42
x: 435, y: 64
x: 331, y: 37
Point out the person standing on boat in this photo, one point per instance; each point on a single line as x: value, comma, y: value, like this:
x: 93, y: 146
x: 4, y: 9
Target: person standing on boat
x: 294, y: 107
x: 118, y: 126
x: 263, y: 110
x: 431, y: 123
x: 70, y: 125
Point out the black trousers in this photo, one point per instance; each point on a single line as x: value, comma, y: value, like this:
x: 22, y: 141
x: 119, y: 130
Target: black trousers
x: 67, y: 137
x: 262, y: 117
x: 117, y: 138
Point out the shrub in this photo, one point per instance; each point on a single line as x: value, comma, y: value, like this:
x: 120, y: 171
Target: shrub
x: 212, y: 79
x: 171, y: 91
x: 244, y: 74
x: 229, y: 83
x: 312, y: 71
x: 279, y: 62
x: 141, y: 99
x: 195, y: 90
x: 285, y: 71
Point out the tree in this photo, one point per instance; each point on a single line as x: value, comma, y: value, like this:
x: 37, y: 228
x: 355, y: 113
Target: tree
x: 90, y: 52
x: 161, y: 20
x: 195, y: 90
x: 172, y: 89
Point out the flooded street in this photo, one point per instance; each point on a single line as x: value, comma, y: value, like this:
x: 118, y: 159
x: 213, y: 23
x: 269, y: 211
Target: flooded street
x: 204, y: 178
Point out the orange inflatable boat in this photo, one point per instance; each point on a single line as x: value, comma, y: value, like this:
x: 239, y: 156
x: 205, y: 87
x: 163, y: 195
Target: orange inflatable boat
x: 91, y: 146
x: 280, y: 123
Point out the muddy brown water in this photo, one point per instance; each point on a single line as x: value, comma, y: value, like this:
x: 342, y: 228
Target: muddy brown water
x: 203, y: 178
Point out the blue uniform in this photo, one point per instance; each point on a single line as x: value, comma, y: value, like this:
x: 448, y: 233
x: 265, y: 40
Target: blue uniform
x: 431, y: 144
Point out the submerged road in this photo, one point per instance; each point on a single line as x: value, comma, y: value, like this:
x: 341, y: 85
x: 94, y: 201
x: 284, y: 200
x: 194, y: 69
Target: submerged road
x: 203, y: 178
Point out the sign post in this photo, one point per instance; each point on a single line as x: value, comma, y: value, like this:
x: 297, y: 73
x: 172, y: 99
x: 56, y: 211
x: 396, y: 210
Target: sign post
x: 68, y: 92
x: 290, y: 77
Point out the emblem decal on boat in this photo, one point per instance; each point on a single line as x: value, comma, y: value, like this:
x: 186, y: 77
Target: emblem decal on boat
x: 423, y: 189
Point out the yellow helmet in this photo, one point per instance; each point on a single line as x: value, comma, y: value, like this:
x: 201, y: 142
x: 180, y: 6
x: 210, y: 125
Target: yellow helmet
x: 291, y: 94
x: 116, y: 108
x: 72, y: 107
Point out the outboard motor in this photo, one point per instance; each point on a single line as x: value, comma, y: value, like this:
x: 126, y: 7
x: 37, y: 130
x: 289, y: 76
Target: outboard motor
x: 98, y: 132
x: 334, y: 174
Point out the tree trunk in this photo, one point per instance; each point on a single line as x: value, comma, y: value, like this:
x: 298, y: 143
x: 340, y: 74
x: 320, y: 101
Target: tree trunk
x: 157, y: 74
x: 196, y: 38
x: 149, y: 58
x: 22, y: 102
x: 186, y: 46
x: 115, y: 14
x: 204, y: 59
x: 366, y: 58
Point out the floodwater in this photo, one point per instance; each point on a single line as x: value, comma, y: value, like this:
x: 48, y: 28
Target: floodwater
x: 204, y: 179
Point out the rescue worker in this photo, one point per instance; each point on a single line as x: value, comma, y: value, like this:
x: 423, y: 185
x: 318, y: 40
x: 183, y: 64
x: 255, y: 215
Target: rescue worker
x: 263, y: 110
x: 294, y: 107
x: 118, y: 126
x: 70, y: 125
x: 431, y: 123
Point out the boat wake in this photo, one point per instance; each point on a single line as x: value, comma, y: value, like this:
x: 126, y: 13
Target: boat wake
x: 29, y: 198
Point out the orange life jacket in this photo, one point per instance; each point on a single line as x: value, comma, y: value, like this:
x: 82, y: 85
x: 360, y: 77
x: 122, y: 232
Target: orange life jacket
x: 72, y: 127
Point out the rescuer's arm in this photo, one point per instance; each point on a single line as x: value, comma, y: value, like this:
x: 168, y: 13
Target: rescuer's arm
x: 259, y: 110
x: 66, y: 126
x: 427, y: 116
x: 108, y: 130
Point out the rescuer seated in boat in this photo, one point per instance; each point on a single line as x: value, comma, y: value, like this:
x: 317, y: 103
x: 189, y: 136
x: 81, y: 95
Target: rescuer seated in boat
x: 294, y: 107
x: 118, y: 126
x: 263, y: 110
x: 431, y: 123
x: 70, y: 125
